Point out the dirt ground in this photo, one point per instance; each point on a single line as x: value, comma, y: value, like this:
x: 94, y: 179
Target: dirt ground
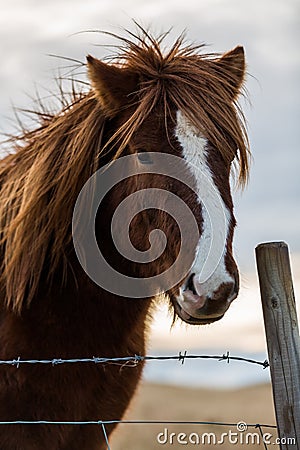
x: 251, y: 405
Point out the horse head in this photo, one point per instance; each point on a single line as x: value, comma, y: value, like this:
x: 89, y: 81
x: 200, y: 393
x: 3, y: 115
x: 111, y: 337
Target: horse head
x: 174, y: 119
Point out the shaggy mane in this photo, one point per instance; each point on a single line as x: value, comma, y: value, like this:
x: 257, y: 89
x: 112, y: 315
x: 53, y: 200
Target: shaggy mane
x: 41, y: 180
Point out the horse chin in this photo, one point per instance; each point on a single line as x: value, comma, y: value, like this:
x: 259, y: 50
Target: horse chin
x: 190, y: 320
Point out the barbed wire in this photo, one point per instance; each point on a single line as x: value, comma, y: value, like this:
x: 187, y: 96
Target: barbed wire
x: 103, y: 424
x: 133, y: 422
x: 133, y: 361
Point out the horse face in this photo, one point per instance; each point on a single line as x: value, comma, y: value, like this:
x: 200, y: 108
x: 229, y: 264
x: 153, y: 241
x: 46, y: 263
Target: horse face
x: 202, y: 292
x: 204, y: 298
x: 198, y: 298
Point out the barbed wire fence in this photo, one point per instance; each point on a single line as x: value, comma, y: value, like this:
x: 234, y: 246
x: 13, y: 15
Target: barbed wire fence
x: 133, y: 361
x: 283, y: 343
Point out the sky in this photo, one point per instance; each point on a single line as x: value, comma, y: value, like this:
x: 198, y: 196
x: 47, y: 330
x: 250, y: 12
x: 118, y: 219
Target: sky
x: 269, y: 30
x: 269, y: 208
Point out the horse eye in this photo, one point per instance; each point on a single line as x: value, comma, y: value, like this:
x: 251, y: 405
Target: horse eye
x: 144, y: 157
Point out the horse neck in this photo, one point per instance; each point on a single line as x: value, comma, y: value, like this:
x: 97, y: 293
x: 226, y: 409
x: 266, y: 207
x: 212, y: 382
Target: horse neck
x: 88, y: 305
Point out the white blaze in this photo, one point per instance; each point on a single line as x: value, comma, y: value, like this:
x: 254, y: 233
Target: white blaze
x: 209, y: 264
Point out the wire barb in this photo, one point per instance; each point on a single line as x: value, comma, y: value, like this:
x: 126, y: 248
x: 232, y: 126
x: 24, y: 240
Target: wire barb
x: 266, y: 364
x: 182, y: 357
x: 226, y: 357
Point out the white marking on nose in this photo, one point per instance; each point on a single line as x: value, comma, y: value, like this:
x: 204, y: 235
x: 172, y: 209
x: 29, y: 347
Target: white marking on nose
x: 210, y: 272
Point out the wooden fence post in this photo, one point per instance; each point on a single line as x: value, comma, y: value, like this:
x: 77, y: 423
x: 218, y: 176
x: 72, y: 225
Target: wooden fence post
x: 282, y: 335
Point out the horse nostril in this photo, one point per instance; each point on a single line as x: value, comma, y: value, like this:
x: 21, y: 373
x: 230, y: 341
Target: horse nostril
x: 190, y: 284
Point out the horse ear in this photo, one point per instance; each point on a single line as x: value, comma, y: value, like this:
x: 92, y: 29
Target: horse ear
x: 112, y: 84
x: 231, y: 66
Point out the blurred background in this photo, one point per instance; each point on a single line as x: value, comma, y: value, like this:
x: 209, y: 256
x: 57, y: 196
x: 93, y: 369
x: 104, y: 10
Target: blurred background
x: 269, y: 209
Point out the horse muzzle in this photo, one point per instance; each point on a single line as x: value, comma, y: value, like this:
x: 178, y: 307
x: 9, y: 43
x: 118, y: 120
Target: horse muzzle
x: 197, y: 308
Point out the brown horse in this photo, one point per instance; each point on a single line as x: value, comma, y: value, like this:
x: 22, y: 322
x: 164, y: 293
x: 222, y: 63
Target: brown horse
x: 147, y: 104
